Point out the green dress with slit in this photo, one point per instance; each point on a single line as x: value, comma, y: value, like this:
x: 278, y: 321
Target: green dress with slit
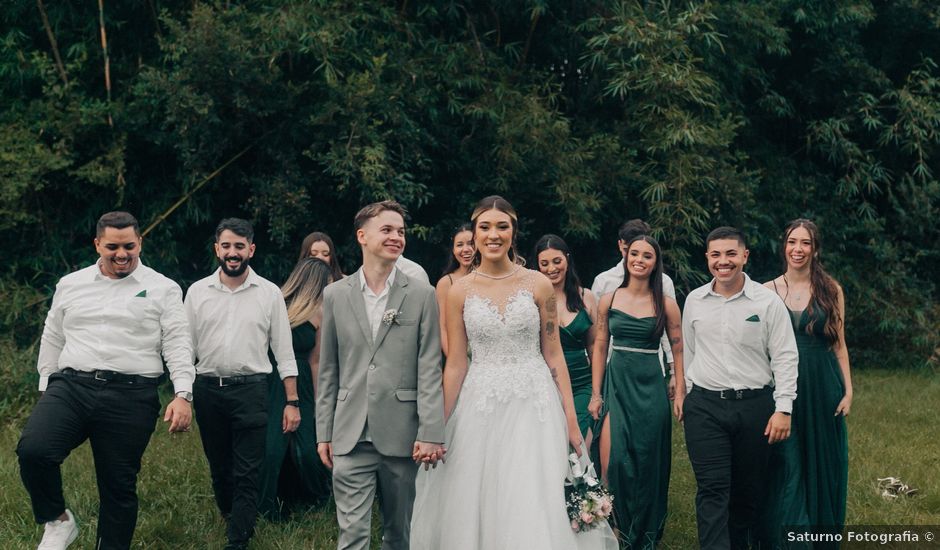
x: 809, y: 471
x: 573, y: 341
x: 635, y: 394
x: 292, y: 473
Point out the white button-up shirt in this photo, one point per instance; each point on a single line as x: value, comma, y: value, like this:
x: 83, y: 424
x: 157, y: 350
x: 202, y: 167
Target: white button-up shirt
x: 375, y: 303
x: 742, y: 342
x: 610, y: 280
x: 412, y: 269
x: 121, y: 325
x: 233, y: 329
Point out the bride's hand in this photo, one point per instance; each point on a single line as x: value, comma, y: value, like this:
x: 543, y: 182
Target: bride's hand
x: 574, y: 436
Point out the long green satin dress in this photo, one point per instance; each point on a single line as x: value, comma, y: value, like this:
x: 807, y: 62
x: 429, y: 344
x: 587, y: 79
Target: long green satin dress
x: 635, y: 393
x: 292, y: 472
x: 809, y: 471
x: 573, y: 341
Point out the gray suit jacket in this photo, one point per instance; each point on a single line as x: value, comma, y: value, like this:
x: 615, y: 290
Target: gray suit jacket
x: 393, y: 382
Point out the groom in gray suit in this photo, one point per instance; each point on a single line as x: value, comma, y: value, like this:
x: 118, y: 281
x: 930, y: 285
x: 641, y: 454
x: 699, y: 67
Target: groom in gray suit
x: 379, y: 408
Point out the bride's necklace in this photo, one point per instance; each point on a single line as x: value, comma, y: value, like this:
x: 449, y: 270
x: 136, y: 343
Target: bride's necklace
x: 497, y: 277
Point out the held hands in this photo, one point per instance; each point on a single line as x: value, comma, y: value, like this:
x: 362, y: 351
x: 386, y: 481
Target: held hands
x: 179, y: 414
x: 428, y: 453
x: 778, y: 427
x: 845, y: 405
x: 325, y: 450
x: 671, y: 388
x: 291, y: 419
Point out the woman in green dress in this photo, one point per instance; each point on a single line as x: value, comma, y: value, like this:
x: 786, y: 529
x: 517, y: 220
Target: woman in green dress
x: 292, y: 473
x: 575, y: 321
x: 810, y: 469
x: 630, y: 394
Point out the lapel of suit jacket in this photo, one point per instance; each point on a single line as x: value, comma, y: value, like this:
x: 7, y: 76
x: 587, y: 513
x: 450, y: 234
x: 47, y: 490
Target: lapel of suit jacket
x: 358, y: 304
x: 396, y: 295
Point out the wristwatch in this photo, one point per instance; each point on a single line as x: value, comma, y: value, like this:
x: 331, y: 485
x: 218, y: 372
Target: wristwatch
x: 294, y: 403
x: 188, y: 396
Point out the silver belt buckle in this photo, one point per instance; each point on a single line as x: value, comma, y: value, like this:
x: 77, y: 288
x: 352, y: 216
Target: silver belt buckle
x: 222, y: 383
x: 98, y: 376
x: 739, y: 394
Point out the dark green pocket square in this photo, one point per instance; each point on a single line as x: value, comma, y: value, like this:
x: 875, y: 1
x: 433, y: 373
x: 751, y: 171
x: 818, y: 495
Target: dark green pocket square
x: 753, y: 319
x: 141, y: 294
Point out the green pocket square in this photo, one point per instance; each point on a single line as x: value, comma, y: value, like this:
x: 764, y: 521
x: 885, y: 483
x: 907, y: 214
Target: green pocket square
x: 141, y: 294
x: 753, y: 319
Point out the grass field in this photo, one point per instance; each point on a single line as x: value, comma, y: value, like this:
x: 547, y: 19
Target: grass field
x: 893, y: 430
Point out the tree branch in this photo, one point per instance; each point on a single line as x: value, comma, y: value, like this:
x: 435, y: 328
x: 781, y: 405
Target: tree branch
x: 107, y: 59
x: 52, y: 41
x: 192, y: 191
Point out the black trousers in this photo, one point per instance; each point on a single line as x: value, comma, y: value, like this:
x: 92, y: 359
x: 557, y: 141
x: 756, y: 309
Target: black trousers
x: 118, y: 419
x: 232, y: 422
x: 729, y: 454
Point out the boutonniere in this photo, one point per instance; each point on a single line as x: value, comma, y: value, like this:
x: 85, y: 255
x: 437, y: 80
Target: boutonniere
x: 390, y: 317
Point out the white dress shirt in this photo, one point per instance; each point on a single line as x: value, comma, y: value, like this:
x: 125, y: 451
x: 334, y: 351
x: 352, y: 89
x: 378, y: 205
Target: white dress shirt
x: 375, y: 303
x: 121, y: 325
x: 742, y: 342
x: 413, y: 270
x: 610, y: 280
x: 233, y: 329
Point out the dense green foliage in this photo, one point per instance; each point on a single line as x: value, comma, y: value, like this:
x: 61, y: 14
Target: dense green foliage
x: 583, y: 114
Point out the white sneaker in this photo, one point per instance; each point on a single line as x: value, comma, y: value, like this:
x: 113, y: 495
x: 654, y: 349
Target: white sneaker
x: 59, y: 533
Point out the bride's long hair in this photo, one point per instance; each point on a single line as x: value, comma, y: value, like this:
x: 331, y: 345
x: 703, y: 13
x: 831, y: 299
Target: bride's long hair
x: 495, y: 202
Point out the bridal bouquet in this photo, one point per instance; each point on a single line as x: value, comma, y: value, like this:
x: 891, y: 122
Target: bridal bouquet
x: 589, y: 503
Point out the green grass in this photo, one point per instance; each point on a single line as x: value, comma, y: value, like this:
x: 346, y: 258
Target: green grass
x: 892, y: 431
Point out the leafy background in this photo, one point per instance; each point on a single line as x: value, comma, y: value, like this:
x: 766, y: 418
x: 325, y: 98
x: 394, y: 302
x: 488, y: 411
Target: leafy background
x: 581, y: 113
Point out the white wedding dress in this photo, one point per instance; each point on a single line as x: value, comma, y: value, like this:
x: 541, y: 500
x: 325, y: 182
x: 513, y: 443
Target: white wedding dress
x: 502, y: 486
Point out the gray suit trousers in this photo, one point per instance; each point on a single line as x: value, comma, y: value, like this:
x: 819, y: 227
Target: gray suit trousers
x: 354, y: 482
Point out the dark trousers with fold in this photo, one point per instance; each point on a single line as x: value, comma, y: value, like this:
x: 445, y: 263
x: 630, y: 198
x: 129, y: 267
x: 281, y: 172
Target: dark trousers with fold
x: 729, y: 454
x: 232, y: 421
x: 118, y: 419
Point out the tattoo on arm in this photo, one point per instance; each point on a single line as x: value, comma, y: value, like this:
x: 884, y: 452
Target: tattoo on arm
x: 550, y: 330
x: 675, y: 340
x: 551, y: 306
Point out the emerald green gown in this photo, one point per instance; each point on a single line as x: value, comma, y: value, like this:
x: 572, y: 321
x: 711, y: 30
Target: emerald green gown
x: 573, y: 341
x: 292, y: 472
x: 635, y: 394
x: 809, y: 471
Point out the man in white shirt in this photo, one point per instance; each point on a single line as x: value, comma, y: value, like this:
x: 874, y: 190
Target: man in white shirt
x: 741, y: 368
x: 236, y: 316
x: 412, y: 269
x: 610, y: 280
x: 379, y: 398
x: 99, y: 367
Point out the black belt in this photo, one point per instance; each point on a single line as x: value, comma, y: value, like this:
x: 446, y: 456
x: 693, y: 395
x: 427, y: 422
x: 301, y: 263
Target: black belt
x: 223, y: 381
x: 734, y: 395
x: 111, y: 376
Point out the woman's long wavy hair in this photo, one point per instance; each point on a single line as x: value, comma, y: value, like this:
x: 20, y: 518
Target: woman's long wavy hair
x: 452, y: 263
x: 303, y: 291
x: 317, y: 236
x: 822, y: 285
x: 572, y: 286
x: 656, y: 281
x: 495, y: 202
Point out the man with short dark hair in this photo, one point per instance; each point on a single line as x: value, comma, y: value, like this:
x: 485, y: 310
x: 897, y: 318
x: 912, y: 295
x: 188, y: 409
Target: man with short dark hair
x: 740, y: 368
x: 99, y: 366
x: 236, y: 316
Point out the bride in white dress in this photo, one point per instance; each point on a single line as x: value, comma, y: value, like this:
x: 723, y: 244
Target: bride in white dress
x: 508, y: 434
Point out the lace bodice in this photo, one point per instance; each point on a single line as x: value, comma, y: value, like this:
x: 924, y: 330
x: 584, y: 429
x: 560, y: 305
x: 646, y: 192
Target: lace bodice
x: 503, y: 328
